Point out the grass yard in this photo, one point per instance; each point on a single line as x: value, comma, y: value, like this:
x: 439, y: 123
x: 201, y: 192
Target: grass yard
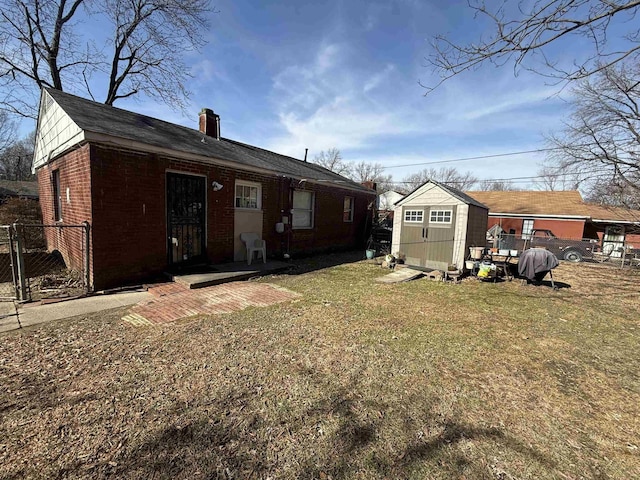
x: 418, y: 380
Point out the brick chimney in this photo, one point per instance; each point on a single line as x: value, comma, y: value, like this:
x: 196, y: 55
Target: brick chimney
x: 369, y: 184
x: 210, y: 123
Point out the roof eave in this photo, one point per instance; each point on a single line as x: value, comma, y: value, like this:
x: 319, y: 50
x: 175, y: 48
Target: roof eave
x: 135, y: 145
x: 625, y: 222
x: 537, y: 215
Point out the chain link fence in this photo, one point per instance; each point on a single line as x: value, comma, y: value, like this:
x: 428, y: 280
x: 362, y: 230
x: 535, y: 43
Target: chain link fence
x: 564, y: 248
x: 613, y: 252
x: 43, y: 261
x: 7, y: 264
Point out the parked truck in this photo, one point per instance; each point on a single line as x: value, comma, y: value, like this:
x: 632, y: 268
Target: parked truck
x: 565, y: 249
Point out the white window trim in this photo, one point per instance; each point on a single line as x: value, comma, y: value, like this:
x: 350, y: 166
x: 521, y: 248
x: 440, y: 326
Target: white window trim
x: 436, y: 221
x: 242, y: 183
x: 312, y: 209
x: 406, y: 214
x: 351, y: 208
x: 527, y: 235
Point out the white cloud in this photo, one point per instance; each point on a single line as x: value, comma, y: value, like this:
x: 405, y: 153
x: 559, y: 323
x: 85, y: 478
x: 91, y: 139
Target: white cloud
x: 377, y: 112
x: 378, y: 78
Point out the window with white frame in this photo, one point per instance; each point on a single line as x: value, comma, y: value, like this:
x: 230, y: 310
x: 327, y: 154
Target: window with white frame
x: 527, y: 228
x: 248, y: 195
x: 347, y: 215
x: 413, y: 216
x: 302, y: 209
x: 440, y: 216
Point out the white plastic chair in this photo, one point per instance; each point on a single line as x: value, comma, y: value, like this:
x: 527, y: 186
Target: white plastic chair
x: 254, y: 243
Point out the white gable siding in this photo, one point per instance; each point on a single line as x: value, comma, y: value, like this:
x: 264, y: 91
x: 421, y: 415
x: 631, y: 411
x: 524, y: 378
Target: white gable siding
x: 431, y: 194
x: 56, y: 131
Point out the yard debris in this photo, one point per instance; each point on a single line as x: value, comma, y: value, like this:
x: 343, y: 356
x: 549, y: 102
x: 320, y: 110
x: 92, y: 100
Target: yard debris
x: 401, y: 275
x: 435, y: 275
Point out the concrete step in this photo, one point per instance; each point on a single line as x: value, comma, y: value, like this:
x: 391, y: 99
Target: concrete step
x: 229, y: 272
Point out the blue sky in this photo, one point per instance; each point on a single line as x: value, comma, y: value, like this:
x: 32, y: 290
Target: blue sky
x: 288, y: 75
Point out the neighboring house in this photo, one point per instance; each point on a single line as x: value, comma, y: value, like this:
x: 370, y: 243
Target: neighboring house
x: 387, y: 200
x: 18, y: 189
x: 162, y: 196
x: 435, y: 225
x: 563, y: 212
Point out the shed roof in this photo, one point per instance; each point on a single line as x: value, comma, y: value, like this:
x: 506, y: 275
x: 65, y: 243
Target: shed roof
x: 454, y: 192
x: 104, y: 119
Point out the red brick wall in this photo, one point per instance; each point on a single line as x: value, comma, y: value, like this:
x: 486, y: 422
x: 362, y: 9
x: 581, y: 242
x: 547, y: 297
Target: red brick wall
x: 127, y: 212
x: 633, y: 239
x: 74, y: 176
x: 569, y: 229
x: 329, y: 230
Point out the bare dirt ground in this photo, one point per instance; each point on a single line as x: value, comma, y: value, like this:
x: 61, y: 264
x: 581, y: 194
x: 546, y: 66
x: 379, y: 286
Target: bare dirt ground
x: 353, y: 380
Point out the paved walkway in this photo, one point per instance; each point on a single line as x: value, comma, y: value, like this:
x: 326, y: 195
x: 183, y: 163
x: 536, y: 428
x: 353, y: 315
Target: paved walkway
x: 12, y: 318
x: 172, y: 301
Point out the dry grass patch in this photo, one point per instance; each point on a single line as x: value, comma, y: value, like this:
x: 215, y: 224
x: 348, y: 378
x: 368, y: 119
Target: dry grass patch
x: 353, y: 380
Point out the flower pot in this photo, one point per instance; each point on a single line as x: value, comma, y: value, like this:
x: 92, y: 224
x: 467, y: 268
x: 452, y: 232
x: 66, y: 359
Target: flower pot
x: 370, y: 254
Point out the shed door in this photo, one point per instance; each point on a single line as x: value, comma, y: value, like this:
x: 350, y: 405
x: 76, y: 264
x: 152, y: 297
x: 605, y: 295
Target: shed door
x: 441, y: 223
x: 186, y: 207
x: 414, y: 234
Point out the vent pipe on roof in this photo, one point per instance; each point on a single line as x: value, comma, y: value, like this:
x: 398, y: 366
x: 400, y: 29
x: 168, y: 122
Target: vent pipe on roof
x: 306, y: 150
x: 210, y: 123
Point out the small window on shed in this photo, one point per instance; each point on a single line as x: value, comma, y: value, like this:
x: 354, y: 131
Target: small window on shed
x: 57, y: 199
x: 440, y: 216
x: 413, y: 216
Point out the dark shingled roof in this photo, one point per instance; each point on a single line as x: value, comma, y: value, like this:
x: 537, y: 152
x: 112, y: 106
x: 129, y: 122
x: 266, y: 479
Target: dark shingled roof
x: 104, y: 119
x: 18, y: 188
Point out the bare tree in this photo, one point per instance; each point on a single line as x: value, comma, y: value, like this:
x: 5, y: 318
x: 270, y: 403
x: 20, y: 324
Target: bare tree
x: 7, y: 130
x: 42, y: 46
x: 16, y: 158
x: 607, y: 192
x: 600, y: 143
x: 525, y: 31
x: 332, y: 160
x: 446, y: 175
x: 552, y: 178
x: 372, y: 172
x: 496, y: 186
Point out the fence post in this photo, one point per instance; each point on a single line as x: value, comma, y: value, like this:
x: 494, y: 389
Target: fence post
x: 22, y: 278
x: 87, y: 258
x: 13, y: 260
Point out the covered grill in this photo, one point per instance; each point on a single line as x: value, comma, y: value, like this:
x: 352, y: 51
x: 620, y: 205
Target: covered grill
x: 535, y: 263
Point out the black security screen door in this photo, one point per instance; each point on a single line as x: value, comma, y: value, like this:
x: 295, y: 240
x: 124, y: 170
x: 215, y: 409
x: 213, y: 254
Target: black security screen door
x: 186, y: 218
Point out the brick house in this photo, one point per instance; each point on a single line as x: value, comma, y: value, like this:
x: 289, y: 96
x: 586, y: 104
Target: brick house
x: 565, y: 213
x: 162, y: 196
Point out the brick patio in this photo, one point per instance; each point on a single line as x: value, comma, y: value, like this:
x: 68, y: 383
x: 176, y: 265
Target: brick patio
x: 174, y: 301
